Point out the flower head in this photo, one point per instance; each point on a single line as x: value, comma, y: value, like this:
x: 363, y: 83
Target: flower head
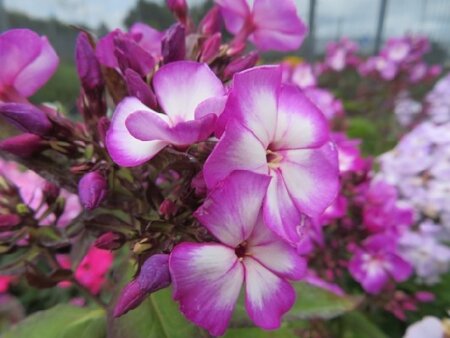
x: 274, y: 129
x: 207, y: 277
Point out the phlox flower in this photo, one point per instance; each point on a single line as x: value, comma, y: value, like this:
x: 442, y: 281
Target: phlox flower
x: 341, y: 54
x: 92, y: 270
x: 430, y: 327
x: 377, y: 262
x: 28, y: 61
x: 268, y: 26
x: 275, y: 129
x: 207, y: 277
x: 190, y: 95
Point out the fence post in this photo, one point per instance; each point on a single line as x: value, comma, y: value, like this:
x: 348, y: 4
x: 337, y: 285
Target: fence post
x: 312, y: 30
x: 4, y: 23
x: 380, y: 25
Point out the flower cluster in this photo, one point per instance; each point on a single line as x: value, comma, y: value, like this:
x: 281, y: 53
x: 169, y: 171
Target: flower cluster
x: 215, y: 162
x: 418, y: 167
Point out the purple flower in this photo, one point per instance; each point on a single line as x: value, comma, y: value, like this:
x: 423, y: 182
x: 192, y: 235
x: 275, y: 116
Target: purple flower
x: 26, y: 117
x: 268, y: 26
x: 376, y: 262
x: 92, y: 190
x: 274, y: 129
x: 188, y: 92
x: 207, y: 277
x: 341, y: 54
x: 28, y: 61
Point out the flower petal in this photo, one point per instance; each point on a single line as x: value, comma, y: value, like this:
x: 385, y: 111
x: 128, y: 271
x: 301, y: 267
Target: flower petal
x: 150, y: 126
x: 253, y: 101
x: 238, y: 149
x: 400, y: 270
x: 207, y: 279
x: 147, y: 37
x: 311, y: 177
x: 123, y: 148
x: 267, y: 296
x: 275, y: 254
x: 277, y: 27
x: 181, y: 86
x: 231, y: 210
x: 234, y: 13
x: 300, y: 124
x: 280, y: 213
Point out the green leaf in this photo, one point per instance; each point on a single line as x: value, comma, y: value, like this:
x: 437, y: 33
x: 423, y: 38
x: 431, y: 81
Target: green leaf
x: 62, y: 321
x: 314, y: 302
x: 258, y: 333
x: 157, y: 317
x: 357, y: 325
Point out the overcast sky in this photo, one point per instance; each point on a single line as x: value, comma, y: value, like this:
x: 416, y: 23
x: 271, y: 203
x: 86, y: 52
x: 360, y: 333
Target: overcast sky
x: 353, y: 18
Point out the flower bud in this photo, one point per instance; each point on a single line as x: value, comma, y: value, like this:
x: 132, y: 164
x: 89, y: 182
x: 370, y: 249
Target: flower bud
x: 26, y: 117
x: 102, y: 127
x: 92, y: 190
x: 240, y: 64
x: 154, y: 275
x: 8, y: 221
x: 24, y: 145
x: 167, y: 208
x: 88, y: 67
x: 212, y: 22
x: 130, y: 55
x: 211, y: 47
x: 179, y: 8
x: 138, y: 88
x: 173, y: 44
x: 50, y: 192
x: 109, y: 241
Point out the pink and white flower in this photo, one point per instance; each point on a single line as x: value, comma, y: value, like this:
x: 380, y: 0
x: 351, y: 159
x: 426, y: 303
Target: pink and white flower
x: 377, y: 262
x: 191, y: 97
x: 207, y: 277
x: 268, y: 26
x: 274, y: 129
x: 28, y: 61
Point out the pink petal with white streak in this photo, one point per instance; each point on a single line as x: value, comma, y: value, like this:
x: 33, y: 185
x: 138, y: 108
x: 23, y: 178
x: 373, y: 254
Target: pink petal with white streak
x: 181, y: 86
x: 300, y: 124
x: 207, y: 279
x: 231, y: 210
x: 275, y: 254
x: 124, y: 149
x: 280, y: 213
x: 267, y: 296
x: 238, y: 149
x: 311, y: 177
x: 150, y: 126
x: 253, y: 101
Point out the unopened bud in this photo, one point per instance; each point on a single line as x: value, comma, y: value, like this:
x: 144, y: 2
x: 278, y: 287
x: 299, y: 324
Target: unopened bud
x: 240, y: 64
x: 92, y: 190
x: 26, y: 117
x: 179, y: 8
x: 154, y: 275
x: 212, y: 22
x: 24, y: 145
x: 50, y: 192
x: 167, y: 208
x: 8, y: 221
x: 110, y: 241
x: 173, y: 44
x: 138, y: 88
x: 130, y: 55
x: 211, y: 48
x: 102, y: 127
x: 88, y: 67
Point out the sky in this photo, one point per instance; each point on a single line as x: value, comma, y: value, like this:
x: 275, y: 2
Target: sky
x: 335, y: 18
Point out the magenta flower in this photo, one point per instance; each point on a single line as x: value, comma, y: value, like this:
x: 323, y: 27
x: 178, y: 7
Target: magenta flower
x: 207, y: 277
x: 377, y: 262
x: 268, y: 26
x: 187, y: 91
x: 274, y: 129
x: 28, y: 61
